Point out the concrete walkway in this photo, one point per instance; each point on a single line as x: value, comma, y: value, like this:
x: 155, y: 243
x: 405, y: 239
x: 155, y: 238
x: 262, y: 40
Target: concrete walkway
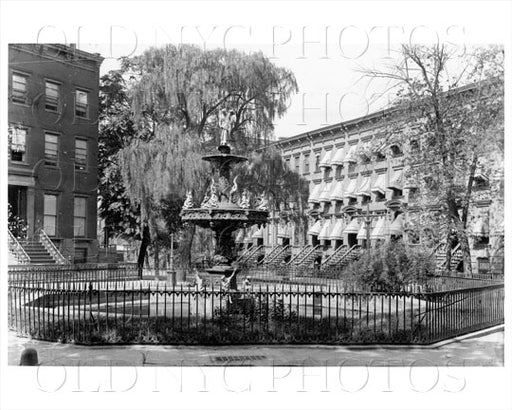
x: 481, y: 349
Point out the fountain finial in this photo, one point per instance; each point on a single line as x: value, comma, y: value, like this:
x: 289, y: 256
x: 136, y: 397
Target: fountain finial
x: 226, y: 120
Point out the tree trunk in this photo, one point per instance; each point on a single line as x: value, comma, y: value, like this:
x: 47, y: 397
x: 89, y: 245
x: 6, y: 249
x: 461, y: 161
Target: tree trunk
x: 449, y: 244
x: 157, y: 259
x: 186, y: 246
x: 464, y: 247
x: 143, y: 249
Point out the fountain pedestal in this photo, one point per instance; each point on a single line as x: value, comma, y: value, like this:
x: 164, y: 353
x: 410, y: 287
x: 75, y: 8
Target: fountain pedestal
x: 225, y: 211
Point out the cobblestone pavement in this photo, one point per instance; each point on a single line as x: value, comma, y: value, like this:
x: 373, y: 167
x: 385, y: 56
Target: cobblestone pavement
x: 483, y: 350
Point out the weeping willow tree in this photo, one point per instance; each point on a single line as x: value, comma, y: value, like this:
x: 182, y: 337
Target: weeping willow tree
x: 267, y: 174
x: 176, y: 95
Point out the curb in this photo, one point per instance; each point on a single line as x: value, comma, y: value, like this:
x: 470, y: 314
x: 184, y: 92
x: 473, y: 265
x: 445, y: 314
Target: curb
x: 478, y: 333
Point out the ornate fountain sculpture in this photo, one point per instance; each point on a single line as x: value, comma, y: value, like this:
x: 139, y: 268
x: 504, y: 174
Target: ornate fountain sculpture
x: 224, y: 209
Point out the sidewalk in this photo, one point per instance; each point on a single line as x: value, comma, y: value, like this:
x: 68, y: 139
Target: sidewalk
x: 481, y: 350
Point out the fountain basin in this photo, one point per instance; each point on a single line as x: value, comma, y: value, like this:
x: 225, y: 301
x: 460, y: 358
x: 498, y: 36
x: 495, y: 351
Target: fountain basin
x: 233, y: 217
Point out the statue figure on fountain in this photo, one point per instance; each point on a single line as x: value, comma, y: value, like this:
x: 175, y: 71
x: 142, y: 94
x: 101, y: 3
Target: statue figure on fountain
x: 206, y: 200
x: 263, y: 203
x: 224, y: 189
x: 234, y: 188
x: 244, y: 201
x: 225, y: 123
x: 189, y: 201
x: 213, y: 202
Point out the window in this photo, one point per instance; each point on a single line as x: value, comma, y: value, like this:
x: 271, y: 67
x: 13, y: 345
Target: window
x: 379, y: 197
x: 483, y: 265
x: 379, y: 156
x: 288, y: 165
x: 480, y: 183
x: 365, y: 199
x: 51, y: 143
x: 80, y: 216
x: 306, y: 164
x: 17, y: 143
x: 339, y: 171
x: 50, y: 214
x: 82, y: 104
x: 19, y: 88
x: 413, y: 194
x: 481, y: 242
x: 297, y: 165
x: 397, y: 194
x: 317, y: 163
x: 80, y: 154
x: 52, y: 91
x: 80, y: 255
x: 396, y: 151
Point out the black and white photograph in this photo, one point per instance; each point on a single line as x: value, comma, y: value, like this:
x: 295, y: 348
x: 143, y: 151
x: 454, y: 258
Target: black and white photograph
x: 255, y: 204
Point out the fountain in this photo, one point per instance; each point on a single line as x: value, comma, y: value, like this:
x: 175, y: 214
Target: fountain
x: 224, y: 209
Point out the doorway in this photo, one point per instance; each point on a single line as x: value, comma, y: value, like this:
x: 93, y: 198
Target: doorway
x: 17, y: 197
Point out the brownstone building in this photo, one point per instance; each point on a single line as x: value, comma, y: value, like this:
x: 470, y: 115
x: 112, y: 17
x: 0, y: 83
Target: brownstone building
x: 53, y: 146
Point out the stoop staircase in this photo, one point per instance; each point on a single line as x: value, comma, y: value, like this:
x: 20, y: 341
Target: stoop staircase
x: 344, y: 257
x: 308, y: 259
x: 37, y: 253
x: 439, y: 255
x: 335, y: 257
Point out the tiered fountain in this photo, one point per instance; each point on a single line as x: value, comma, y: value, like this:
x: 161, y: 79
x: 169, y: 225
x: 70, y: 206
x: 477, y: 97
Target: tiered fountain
x: 224, y: 209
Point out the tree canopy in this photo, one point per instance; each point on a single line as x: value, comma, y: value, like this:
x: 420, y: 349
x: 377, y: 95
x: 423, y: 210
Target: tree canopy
x: 452, y: 127
x: 158, y: 124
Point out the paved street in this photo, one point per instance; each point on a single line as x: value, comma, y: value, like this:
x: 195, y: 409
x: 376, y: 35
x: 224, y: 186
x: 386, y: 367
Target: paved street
x: 485, y: 349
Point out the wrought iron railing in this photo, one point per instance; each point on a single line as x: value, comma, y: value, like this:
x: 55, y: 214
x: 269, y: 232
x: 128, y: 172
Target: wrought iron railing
x: 51, y: 248
x: 254, y: 251
x: 17, y: 249
x: 140, y: 312
x: 299, y: 255
x: 338, y: 252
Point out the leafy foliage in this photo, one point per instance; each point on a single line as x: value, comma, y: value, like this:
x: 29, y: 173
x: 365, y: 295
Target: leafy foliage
x: 452, y: 130
x: 158, y: 123
x: 391, y: 266
x: 17, y: 226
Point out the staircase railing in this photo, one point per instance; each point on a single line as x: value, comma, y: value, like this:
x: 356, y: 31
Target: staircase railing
x: 250, y: 254
x: 275, y: 250
x: 337, y: 252
x: 51, y: 248
x: 312, y: 251
x: 456, y: 252
x: 244, y: 254
x: 299, y: 254
x: 280, y: 252
x: 347, y: 254
x: 284, y: 250
x: 18, y: 251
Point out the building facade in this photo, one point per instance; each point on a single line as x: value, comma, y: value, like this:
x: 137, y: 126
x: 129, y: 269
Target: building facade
x: 359, y: 195
x: 53, y: 144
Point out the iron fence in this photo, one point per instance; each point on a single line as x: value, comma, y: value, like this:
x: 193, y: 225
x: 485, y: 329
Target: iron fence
x: 337, y: 277
x: 109, y: 312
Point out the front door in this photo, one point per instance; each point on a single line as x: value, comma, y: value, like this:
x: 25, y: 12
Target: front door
x: 352, y: 239
x: 18, y: 201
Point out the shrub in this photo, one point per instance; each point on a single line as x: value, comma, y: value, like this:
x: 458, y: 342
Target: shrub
x: 391, y: 266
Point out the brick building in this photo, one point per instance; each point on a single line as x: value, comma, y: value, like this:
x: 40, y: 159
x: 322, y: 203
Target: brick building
x: 359, y: 194
x: 53, y: 145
